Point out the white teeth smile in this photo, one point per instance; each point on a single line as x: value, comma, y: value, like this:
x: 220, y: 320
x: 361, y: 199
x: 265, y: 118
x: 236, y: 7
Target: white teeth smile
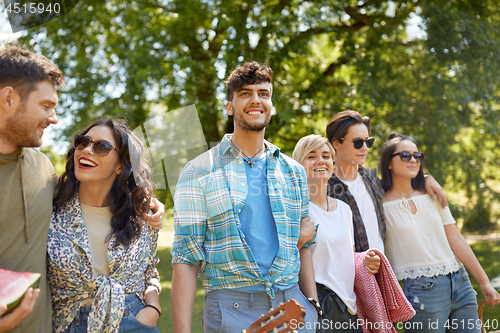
x: 254, y: 112
x: 323, y: 169
x: 87, y: 163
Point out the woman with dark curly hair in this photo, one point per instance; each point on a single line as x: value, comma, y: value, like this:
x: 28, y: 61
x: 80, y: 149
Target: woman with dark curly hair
x: 101, y: 253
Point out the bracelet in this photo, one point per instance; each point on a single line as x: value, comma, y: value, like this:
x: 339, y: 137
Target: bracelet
x: 316, y: 305
x: 154, y: 307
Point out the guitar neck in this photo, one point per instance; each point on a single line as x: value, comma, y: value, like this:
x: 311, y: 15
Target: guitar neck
x: 285, y: 318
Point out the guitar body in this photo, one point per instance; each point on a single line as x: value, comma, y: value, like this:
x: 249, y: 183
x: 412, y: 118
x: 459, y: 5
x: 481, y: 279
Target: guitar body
x: 278, y: 320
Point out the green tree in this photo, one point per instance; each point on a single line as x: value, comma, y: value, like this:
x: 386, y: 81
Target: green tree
x: 120, y: 57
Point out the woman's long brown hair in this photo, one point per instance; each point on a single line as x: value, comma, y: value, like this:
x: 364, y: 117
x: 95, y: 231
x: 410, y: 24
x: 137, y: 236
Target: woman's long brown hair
x: 131, y: 191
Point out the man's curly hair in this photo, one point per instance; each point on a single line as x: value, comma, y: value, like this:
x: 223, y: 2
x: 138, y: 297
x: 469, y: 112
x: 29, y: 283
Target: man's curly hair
x: 247, y: 74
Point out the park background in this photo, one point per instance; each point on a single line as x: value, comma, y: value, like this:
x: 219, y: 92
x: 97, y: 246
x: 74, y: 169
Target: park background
x: 425, y: 68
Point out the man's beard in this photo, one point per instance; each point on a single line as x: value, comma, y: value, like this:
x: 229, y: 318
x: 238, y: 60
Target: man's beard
x: 16, y: 132
x: 242, y: 123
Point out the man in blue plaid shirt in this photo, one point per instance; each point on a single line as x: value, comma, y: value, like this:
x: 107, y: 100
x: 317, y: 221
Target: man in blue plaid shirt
x: 237, y: 213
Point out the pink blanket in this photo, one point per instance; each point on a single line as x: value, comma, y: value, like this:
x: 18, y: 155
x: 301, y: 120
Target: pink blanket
x: 379, y: 298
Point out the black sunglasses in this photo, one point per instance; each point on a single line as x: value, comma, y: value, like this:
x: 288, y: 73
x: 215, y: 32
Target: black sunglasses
x: 358, y: 142
x: 100, y: 147
x: 406, y: 156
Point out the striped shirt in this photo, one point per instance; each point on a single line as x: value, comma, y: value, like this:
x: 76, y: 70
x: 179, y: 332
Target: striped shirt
x: 208, y: 198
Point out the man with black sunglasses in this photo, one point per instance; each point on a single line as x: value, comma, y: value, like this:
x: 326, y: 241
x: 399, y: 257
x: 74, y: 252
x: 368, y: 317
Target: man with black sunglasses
x: 349, y: 133
x: 28, y: 98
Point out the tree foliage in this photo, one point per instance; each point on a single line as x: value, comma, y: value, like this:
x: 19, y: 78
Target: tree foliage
x: 121, y: 57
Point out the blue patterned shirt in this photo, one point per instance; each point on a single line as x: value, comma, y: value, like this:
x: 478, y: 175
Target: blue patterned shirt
x: 210, y: 194
x: 71, y: 277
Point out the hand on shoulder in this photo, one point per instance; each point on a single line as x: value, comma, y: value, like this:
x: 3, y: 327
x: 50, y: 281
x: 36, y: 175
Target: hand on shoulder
x: 155, y: 219
x: 435, y: 190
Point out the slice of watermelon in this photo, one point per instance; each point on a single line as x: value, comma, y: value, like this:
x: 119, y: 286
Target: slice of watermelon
x: 13, y: 285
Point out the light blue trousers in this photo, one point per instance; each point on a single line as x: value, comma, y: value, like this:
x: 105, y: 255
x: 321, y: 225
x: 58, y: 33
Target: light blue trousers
x: 231, y: 311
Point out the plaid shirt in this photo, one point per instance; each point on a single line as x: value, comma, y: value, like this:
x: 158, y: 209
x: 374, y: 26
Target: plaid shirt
x: 208, y: 198
x: 337, y: 189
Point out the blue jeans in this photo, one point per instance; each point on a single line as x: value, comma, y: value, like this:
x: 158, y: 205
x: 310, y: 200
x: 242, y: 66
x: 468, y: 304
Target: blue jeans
x: 443, y: 303
x: 128, y: 324
x: 230, y: 311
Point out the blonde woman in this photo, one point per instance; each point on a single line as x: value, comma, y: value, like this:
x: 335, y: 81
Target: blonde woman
x: 333, y: 253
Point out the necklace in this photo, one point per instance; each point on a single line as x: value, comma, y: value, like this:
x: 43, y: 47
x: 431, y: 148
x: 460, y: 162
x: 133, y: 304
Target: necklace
x: 246, y: 158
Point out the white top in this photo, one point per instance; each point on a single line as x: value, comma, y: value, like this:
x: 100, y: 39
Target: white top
x: 98, y: 223
x: 416, y: 245
x: 333, y: 256
x: 364, y: 201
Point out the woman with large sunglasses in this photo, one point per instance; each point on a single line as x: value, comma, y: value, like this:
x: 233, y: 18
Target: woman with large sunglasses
x: 425, y: 248
x: 101, y: 253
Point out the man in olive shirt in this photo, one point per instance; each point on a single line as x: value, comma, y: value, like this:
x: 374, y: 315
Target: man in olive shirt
x: 27, y: 179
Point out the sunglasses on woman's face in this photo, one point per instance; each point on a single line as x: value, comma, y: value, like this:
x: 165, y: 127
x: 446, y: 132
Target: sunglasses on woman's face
x: 100, y: 147
x: 406, y: 156
x: 358, y: 142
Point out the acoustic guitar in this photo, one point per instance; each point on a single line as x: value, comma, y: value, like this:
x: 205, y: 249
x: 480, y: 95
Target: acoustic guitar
x: 279, y: 320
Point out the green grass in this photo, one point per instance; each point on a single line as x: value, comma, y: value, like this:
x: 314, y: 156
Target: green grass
x: 487, y: 252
